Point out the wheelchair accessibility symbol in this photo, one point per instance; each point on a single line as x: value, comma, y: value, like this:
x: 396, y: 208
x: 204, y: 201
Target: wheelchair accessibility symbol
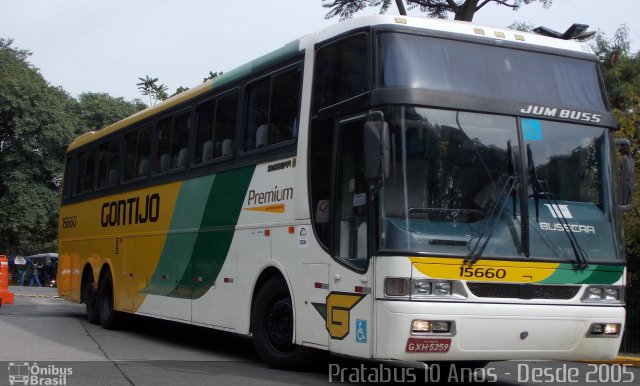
x: 361, y: 331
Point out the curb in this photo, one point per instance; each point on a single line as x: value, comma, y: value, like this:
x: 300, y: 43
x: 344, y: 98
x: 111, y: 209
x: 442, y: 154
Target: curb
x: 37, y: 296
x: 633, y: 361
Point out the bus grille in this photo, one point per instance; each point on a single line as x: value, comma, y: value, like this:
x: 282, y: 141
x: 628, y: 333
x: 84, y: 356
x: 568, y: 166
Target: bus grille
x: 523, y: 291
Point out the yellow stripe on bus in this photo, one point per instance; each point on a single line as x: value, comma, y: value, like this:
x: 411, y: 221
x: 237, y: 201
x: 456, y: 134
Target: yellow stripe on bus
x: 484, y: 270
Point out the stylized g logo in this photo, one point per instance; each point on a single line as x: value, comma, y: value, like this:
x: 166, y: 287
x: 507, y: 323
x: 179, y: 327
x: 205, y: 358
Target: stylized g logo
x: 339, y: 306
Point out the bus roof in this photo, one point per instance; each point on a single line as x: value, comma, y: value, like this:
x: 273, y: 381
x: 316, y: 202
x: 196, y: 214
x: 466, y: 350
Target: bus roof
x: 455, y: 27
x: 294, y: 47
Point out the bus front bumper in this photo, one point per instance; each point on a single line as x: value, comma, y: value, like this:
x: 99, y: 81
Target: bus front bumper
x: 488, y: 332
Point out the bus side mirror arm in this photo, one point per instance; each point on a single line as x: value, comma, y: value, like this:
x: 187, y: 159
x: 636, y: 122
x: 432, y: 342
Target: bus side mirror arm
x: 627, y: 175
x: 375, y: 147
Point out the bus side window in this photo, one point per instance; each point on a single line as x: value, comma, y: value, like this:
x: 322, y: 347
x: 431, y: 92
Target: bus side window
x: 257, y: 114
x: 180, y: 140
x: 173, y: 143
x: 143, y: 153
x: 137, y: 153
x: 341, y: 70
x: 103, y: 164
x: 205, y: 114
x: 85, y: 170
x: 68, y: 177
x: 272, y: 110
x: 226, y: 114
x: 109, y: 163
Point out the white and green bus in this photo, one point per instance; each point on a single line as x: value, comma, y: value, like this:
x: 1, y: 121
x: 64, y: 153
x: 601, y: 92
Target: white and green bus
x: 389, y: 187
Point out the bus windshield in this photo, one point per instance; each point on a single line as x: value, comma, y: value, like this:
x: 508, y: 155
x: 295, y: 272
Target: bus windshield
x: 488, y: 72
x: 449, y: 185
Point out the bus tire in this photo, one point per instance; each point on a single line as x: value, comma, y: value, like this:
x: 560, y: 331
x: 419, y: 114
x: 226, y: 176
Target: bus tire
x: 89, y: 298
x: 109, y: 317
x: 272, y: 324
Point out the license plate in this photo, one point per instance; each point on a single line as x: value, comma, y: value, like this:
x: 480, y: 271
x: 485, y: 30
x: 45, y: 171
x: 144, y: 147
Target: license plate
x: 428, y: 345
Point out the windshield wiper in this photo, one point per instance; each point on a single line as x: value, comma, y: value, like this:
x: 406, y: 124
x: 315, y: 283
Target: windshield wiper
x: 509, y: 187
x: 538, y: 191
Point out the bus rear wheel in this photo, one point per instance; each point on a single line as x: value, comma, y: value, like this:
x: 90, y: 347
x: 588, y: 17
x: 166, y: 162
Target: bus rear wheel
x: 272, y: 324
x: 89, y: 295
x: 109, y: 317
x: 90, y: 302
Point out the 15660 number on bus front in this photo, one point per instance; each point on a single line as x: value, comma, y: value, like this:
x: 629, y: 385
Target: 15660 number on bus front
x: 69, y: 222
x: 479, y: 272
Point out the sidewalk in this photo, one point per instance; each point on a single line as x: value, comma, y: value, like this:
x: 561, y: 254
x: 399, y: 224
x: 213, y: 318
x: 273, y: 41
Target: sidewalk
x: 43, y: 292
x: 48, y: 292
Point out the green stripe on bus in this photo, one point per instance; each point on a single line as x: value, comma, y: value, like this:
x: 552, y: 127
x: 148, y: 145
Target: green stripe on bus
x: 595, y: 274
x: 201, y: 232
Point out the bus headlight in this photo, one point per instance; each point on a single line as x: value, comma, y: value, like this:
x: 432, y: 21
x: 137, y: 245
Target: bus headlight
x: 432, y: 327
x: 421, y: 287
x: 603, y: 294
x: 442, y: 288
x: 432, y: 289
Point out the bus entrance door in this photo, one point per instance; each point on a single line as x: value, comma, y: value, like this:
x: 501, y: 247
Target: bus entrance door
x: 349, y: 303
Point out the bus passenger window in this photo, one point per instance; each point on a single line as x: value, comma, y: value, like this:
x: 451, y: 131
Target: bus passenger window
x: 272, y: 113
x: 137, y: 152
x: 108, y: 163
x: 226, y: 114
x: 216, y: 127
x: 258, y: 114
x: 173, y: 143
x: 284, y: 106
x: 85, y: 170
x: 204, y: 133
x: 180, y: 141
x: 143, y: 154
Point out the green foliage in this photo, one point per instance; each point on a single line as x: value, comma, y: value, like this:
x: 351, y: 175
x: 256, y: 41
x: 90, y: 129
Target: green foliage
x: 37, y: 122
x: 621, y: 74
x: 212, y: 75
x: 99, y: 110
x: 462, y: 10
x: 149, y: 87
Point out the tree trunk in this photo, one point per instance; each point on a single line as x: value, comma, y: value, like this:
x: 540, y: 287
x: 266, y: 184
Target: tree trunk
x: 466, y: 10
x: 401, y: 8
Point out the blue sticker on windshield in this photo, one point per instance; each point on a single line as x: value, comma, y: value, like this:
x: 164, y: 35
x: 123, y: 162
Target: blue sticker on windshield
x: 531, y: 129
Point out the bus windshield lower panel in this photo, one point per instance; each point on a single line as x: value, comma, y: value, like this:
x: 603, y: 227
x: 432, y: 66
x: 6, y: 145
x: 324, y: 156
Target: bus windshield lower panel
x: 458, y: 178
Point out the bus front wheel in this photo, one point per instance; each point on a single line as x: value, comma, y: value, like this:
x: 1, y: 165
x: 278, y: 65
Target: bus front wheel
x: 272, y: 324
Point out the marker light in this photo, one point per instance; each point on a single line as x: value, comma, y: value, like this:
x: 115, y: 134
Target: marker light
x: 396, y: 286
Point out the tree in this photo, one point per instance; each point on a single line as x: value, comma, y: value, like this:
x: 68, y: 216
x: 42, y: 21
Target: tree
x: 621, y: 74
x: 99, y: 110
x: 212, y: 75
x: 149, y: 87
x: 37, y: 122
x: 181, y: 89
x: 462, y: 10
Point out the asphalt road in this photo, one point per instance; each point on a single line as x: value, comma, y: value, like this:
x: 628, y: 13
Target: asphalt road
x: 50, y: 341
